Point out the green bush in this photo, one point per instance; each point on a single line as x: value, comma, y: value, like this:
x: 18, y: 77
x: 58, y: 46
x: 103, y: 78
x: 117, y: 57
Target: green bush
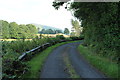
x: 74, y: 38
x: 12, y: 67
x: 81, y: 37
x: 13, y: 49
x: 60, y: 37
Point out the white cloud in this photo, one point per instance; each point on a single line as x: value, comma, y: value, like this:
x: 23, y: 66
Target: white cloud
x: 34, y: 11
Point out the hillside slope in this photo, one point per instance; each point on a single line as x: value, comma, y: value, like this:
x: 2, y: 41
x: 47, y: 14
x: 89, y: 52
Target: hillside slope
x: 45, y: 27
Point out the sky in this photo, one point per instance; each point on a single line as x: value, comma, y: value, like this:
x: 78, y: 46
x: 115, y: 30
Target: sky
x: 35, y: 11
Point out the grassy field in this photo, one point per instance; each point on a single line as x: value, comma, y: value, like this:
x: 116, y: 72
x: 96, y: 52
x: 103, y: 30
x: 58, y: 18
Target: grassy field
x: 110, y: 69
x: 14, y: 39
x: 54, y: 35
x: 45, y: 35
x: 38, y: 60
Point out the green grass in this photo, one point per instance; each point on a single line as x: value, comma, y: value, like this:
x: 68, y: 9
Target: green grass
x: 69, y: 67
x: 38, y: 60
x: 110, y: 69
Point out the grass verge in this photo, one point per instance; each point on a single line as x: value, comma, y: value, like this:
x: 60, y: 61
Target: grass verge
x: 38, y: 60
x: 110, y: 69
x: 69, y: 67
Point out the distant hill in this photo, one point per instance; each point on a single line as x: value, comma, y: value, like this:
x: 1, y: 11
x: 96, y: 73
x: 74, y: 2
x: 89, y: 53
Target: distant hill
x: 38, y: 26
x: 45, y: 27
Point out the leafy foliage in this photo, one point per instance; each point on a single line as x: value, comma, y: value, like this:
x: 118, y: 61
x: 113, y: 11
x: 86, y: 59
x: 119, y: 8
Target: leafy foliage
x: 66, y: 31
x: 100, y: 26
x: 49, y: 31
x: 14, y: 31
x: 60, y: 37
x: 76, y: 27
x: 12, y: 67
x: 5, y: 29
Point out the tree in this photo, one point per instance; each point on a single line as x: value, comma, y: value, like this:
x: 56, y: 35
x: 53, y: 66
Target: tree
x: 32, y: 30
x: 66, y: 31
x: 72, y: 34
x: 50, y: 31
x: 38, y: 30
x: 100, y: 26
x: 76, y: 26
x: 13, y: 30
x: 42, y: 31
x: 58, y: 31
x: 5, y: 29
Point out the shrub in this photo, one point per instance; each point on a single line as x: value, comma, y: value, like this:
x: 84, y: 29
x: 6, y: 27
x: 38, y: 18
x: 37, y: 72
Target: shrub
x: 81, y: 37
x: 12, y: 68
x: 60, y: 37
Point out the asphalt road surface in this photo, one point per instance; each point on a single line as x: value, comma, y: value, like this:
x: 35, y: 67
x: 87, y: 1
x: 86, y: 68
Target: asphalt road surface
x: 54, y: 66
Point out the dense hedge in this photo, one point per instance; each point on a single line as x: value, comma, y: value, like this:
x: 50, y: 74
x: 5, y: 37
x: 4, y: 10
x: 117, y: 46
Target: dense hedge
x: 100, y: 26
x: 101, y: 31
x: 11, y: 66
x: 14, y: 68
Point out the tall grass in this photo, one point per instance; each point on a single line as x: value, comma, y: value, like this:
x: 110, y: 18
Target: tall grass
x: 110, y: 69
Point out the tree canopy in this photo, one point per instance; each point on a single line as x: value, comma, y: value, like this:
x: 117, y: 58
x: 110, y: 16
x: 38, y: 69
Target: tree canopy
x: 14, y: 31
x: 100, y: 26
x: 76, y: 27
x: 49, y: 31
x: 66, y: 31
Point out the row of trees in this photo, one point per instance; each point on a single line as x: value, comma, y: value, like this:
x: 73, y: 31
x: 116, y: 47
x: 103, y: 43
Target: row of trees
x: 50, y: 31
x: 100, y: 26
x: 14, y: 31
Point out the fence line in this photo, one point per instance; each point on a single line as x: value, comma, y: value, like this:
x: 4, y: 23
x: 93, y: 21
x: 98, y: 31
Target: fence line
x: 43, y: 46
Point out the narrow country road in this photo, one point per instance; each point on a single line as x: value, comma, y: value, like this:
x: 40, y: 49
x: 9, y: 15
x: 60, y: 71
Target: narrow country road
x: 54, y: 66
